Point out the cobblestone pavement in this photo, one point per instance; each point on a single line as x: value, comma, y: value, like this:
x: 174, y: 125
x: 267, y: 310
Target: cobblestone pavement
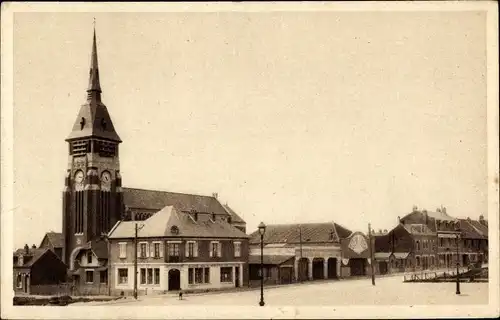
x: 387, y: 291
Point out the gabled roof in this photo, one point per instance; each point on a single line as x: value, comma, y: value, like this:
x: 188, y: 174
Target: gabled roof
x: 100, y: 248
x: 305, y: 233
x: 161, y: 223
x: 269, y: 259
x: 471, y: 229
x: 157, y: 200
x: 234, y: 216
x: 55, y: 239
x: 35, y: 254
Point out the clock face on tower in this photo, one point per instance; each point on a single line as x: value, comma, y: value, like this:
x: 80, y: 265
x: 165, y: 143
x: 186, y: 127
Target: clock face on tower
x: 106, y: 179
x: 79, y: 177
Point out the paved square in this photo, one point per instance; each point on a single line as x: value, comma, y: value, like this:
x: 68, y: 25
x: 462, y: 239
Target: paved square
x: 388, y: 291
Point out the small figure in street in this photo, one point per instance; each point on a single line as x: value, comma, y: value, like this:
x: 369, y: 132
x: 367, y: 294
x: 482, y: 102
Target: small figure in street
x: 180, y: 294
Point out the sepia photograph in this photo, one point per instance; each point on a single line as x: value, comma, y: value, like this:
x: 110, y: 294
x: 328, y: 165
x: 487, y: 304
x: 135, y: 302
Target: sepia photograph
x: 250, y: 160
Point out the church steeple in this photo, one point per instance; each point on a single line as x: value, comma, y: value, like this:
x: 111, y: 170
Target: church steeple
x: 93, y: 120
x: 94, y: 89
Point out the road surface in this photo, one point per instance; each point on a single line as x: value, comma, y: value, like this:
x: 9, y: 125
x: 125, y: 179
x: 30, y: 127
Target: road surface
x: 388, y: 291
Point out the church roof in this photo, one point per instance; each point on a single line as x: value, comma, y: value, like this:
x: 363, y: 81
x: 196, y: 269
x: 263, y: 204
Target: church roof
x: 55, y: 238
x: 161, y: 225
x: 156, y: 200
x: 93, y: 119
x: 305, y: 233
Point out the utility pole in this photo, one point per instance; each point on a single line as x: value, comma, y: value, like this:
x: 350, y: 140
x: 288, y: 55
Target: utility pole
x: 300, y: 245
x: 371, y: 253
x: 135, y: 262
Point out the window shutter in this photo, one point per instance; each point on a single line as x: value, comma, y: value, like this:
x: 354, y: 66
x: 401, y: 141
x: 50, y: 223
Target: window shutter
x: 219, y: 250
x: 186, y: 248
x: 210, y: 250
x: 196, y: 249
x: 161, y: 249
x: 152, y: 250
x: 147, y: 249
x: 138, y: 246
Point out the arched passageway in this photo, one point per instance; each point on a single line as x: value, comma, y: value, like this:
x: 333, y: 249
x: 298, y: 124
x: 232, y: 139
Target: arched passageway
x: 318, y: 268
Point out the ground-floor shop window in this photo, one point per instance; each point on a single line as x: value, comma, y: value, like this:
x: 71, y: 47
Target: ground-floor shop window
x: 198, y: 275
x: 226, y: 274
x: 150, y: 275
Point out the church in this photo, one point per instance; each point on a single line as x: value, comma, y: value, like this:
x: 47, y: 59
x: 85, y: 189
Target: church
x: 99, y: 214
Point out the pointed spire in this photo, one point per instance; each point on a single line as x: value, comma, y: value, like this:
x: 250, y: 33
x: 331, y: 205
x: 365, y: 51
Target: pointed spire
x: 94, y: 89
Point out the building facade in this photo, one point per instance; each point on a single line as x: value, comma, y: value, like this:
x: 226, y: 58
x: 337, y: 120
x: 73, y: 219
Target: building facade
x: 425, y: 240
x: 177, y: 250
x: 317, y: 250
x: 36, y: 269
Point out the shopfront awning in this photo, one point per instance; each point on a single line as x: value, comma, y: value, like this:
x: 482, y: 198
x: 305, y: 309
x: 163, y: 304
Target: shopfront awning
x: 382, y: 256
x: 401, y: 255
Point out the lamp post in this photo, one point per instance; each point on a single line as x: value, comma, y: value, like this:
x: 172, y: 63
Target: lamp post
x: 457, y: 228
x: 262, y: 230
x: 371, y: 253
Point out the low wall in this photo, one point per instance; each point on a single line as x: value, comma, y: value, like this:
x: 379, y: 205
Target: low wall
x: 51, y: 289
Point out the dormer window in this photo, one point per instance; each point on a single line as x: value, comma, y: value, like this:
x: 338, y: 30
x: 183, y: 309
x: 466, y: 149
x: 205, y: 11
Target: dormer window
x: 174, y: 230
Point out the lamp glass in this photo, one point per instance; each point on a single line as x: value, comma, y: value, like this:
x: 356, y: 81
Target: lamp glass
x: 262, y: 228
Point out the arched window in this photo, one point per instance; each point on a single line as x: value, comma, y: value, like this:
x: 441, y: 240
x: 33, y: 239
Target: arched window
x: 418, y: 245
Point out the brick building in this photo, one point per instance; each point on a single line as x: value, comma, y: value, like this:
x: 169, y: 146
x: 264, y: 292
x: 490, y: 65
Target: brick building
x: 178, y: 249
x: 429, y: 239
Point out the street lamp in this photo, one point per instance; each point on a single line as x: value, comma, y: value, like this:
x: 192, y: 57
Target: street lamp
x: 457, y: 229
x: 262, y: 230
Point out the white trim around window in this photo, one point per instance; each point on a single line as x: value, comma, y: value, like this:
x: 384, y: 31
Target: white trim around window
x: 139, y: 250
x: 122, y: 250
x: 219, y: 251
x: 174, y: 241
x: 237, y: 248
x: 160, y: 249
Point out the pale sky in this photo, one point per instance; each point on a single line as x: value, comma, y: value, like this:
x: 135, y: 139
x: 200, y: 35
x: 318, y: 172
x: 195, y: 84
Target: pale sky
x: 291, y: 117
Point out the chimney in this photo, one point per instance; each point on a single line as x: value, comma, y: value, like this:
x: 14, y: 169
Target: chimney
x: 438, y: 210
x: 215, y: 195
x: 481, y: 220
x: 443, y: 209
x: 385, y: 230
x: 415, y: 208
x: 26, y: 249
x: 33, y: 247
x: 399, y: 219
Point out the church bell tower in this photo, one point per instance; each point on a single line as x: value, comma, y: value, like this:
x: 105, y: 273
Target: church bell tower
x: 92, y: 196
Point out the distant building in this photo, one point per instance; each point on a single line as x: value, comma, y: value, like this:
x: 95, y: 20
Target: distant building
x: 35, y: 268
x: 178, y: 250
x: 300, y: 252
x: 428, y: 239
x: 55, y: 242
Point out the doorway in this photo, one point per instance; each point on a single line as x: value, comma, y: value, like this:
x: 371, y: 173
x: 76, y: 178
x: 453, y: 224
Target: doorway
x: 332, y: 268
x: 174, y: 279
x: 318, y: 269
x: 26, y: 283
x: 237, y: 277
